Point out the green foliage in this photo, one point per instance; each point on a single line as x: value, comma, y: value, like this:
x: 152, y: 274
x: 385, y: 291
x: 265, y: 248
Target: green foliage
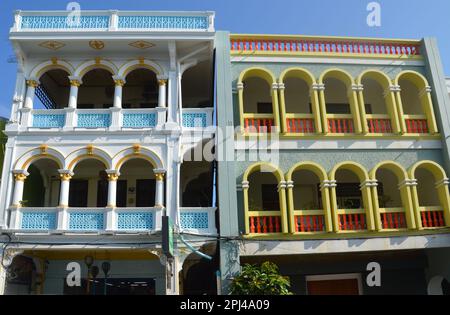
x: 260, y: 280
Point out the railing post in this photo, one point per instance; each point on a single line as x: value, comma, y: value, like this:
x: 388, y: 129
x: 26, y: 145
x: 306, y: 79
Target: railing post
x: 26, y: 118
x: 110, y: 219
x: 70, y: 121
x: 113, y: 20
x: 17, y: 21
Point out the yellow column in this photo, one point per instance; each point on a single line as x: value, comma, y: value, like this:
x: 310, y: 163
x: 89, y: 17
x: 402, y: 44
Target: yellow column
x: 245, y: 187
x: 325, y: 187
x: 240, y: 89
x: 362, y: 108
x: 320, y: 88
x: 283, y: 210
x: 353, y: 98
x: 391, y: 104
x: 416, y: 203
x: 444, y: 198
x: 276, y: 112
x: 291, y: 207
x: 427, y: 104
x: 334, y: 205
x: 367, y: 201
x: 281, y: 89
x: 316, y: 108
x: 396, y: 89
x: 376, y: 206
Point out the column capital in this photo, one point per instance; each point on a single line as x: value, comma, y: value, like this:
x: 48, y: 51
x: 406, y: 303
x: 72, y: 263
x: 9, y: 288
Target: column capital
x: 245, y: 184
x: 408, y: 183
x: 425, y: 90
x: 159, y: 174
x: 281, y: 86
x: 240, y: 86
x: 275, y: 86
x: 282, y: 185
x: 65, y: 175
x: 289, y: 184
x: 32, y: 82
x: 113, y: 175
x: 75, y: 81
x: 442, y: 182
x: 20, y: 175
x: 119, y: 80
x: 369, y: 183
x: 318, y: 87
x: 395, y: 88
x: 328, y: 184
x: 357, y: 87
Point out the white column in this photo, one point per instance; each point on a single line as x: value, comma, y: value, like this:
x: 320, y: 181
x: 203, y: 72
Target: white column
x: 65, y: 176
x: 119, y: 82
x: 75, y: 83
x: 162, y: 92
x: 31, y: 90
x: 113, y: 176
x: 159, y: 190
x: 20, y: 176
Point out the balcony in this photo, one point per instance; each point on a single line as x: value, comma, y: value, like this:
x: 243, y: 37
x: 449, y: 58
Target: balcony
x: 113, y: 21
x: 110, y: 119
x: 108, y: 220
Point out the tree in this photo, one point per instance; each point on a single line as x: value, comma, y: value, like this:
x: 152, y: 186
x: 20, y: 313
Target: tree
x: 260, y: 280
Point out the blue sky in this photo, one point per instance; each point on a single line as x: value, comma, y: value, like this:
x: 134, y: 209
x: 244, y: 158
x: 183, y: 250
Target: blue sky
x: 399, y: 19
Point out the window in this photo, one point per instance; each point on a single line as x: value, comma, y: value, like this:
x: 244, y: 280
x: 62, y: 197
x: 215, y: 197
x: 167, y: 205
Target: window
x: 264, y: 108
x: 270, y: 197
x: 78, y: 193
x: 338, y: 108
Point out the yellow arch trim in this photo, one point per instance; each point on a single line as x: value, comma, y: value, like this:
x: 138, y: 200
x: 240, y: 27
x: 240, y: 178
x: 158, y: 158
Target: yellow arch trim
x: 297, y: 72
x: 417, y: 78
x: 262, y: 73
x: 309, y: 166
x: 339, y: 74
x: 156, y: 163
x: 257, y: 167
x: 86, y: 156
x: 41, y: 156
x: 437, y: 170
x: 354, y: 167
x: 395, y: 167
x: 48, y: 68
x: 376, y: 75
x: 132, y: 156
x: 138, y: 66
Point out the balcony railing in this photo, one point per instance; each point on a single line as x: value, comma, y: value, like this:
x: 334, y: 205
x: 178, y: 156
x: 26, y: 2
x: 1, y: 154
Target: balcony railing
x: 432, y: 217
x: 198, y: 220
x: 264, y: 222
x: 393, y: 218
x: 379, y: 124
x: 416, y: 124
x: 285, y: 44
x: 109, y: 119
x: 342, y: 123
x: 33, y: 21
x: 352, y: 219
x: 258, y: 123
x: 309, y: 221
x: 300, y: 123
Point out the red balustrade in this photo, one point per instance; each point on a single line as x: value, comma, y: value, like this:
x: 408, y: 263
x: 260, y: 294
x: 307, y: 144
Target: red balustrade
x: 263, y: 225
x: 379, y: 125
x: 352, y: 222
x: 432, y: 219
x: 260, y: 125
x: 309, y: 223
x: 394, y: 220
x: 416, y: 125
x: 338, y: 125
x: 325, y: 46
x: 300, y: 125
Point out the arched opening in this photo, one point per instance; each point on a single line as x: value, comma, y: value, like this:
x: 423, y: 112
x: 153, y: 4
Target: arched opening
x: 264, y: 203
x: 259, y: 112
x: 416, y: 104
x: 97, y: 90
x: 350, y: 201
x: 198, y: 276
x: 53, y: 90
x: 338, y: 106
x: 390, y: 202
x: 197, y: 86
x: 430, y: 199
x: 41, y: 188
x: 136, y: 186
x: 140, y: 89
x: 89, y: 185
x: 378, y: 112
x: 309, y: 214
x: 298, y: 103
x: 21, y: 277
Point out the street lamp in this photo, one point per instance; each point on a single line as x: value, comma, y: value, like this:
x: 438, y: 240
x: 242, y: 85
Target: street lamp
x: 106, y: 266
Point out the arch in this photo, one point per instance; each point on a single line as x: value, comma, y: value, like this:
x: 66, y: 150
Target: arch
x: 437, y: 170
x: 95, y: 64
x: 318, y: 170
x: 39, y: 153
x: 262, y: 73
x: 298, y: 72
x: 354, y: 167
x: 82, y: 154
x: 376, y: 75
x: 339, y: 74
x: 42, y: 68
x: 417, y: 78
x: 140, y: 64
x: 133, y: 153
x: 266, y: 166
x: 394, y: 167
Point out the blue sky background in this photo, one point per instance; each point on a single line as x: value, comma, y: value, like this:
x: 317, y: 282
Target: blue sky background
x: 400, y: 19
